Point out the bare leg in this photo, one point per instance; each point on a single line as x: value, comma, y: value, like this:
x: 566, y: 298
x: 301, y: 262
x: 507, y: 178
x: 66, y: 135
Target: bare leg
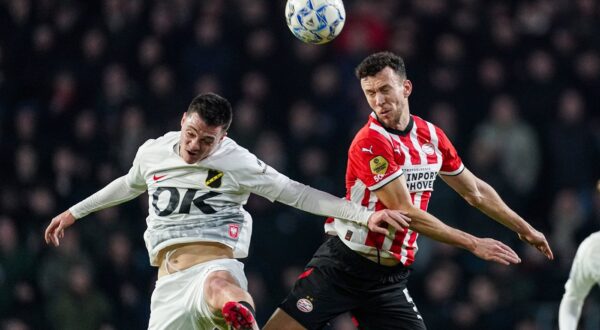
x: 220, y: 287
x: 281, y: 320
x: 222, y: 293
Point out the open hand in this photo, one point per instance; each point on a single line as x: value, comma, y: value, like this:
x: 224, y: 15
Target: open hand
x: 394, y: 218
x: 493, y: 250
x: 56, y: 229
x: 538, y: 241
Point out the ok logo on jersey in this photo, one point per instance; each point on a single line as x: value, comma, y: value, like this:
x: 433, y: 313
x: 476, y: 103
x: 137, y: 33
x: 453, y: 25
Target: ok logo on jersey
x: 186, y: 203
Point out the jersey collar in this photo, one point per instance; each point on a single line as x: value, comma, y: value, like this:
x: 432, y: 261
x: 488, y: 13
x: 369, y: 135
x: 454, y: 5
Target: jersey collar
x: 373, y: 118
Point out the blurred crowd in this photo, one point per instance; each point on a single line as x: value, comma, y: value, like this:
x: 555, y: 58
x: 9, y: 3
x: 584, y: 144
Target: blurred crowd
x: 515, y: 85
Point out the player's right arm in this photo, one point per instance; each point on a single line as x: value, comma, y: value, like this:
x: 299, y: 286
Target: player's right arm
x: 116, y: 192
x: 395, y: 196
x: 119, y: 191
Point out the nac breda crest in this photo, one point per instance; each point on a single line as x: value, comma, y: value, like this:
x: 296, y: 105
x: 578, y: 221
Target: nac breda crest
x: 315, y: 21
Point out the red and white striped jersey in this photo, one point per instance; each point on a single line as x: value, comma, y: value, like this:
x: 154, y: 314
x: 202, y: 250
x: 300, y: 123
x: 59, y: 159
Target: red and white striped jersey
x: 379, y: 155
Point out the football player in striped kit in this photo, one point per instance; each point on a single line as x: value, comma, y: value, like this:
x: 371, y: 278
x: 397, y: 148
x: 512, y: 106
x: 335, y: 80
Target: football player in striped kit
x: 585, y: 273
x: 198, y: 180
x: 392, y: 163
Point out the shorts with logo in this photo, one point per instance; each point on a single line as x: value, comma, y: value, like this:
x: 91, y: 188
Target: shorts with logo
x: 339, y: 280
x: 178, y: 299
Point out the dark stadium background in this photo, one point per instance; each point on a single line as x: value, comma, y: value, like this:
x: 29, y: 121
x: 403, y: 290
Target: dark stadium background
x: 515, y: 84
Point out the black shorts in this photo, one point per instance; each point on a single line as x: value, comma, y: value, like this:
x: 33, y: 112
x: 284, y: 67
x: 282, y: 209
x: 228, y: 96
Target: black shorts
x: 339, y: 280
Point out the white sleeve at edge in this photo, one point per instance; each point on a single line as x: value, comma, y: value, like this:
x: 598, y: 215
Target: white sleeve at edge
x: 318, y: 202
x: 569, y: 312
x: 114, y: 193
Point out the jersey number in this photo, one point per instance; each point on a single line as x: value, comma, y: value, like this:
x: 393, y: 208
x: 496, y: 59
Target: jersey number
x: 186, y: 204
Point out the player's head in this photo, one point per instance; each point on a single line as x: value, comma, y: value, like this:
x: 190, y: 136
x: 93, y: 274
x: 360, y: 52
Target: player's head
x: 203, y: 126
x: 383, y: 80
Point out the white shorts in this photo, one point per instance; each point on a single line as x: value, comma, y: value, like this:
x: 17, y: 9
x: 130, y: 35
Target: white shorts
x: 178, y: 299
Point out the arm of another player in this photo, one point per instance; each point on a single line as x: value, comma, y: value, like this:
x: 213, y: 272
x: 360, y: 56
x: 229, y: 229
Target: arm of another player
x: 482, y: 196
x: 395, y: 195
x: 114, y: 193
x: 263, y: 180
x: 319, y: 202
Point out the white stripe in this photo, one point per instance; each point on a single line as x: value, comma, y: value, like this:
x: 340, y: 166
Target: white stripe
x: 389, y: 239
x: 417, y: 199
x: 357, y: 192
x: 381, y: 131
x: 372, y: 201
x: 404, y: 149
x: 416, y: 145
x: 435, y: 141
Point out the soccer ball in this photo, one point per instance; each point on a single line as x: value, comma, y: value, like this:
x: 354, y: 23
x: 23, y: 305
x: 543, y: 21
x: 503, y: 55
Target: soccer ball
x: 315, y: 21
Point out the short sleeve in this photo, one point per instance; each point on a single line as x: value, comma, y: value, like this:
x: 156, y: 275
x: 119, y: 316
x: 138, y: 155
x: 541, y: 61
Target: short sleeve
x: 134, y: 177
x: 451, y: 162
x: 372, y: 161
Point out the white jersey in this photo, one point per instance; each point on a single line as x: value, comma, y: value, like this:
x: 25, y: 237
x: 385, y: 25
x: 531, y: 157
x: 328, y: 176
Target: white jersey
x: 200, y: 202
x: 585, y: 273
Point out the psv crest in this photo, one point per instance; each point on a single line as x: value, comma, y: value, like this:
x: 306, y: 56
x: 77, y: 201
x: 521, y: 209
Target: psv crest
x: 214, y: 178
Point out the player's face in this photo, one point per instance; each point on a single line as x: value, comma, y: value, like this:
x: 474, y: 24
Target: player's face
x: 197, y: 139
x: 387, y: 94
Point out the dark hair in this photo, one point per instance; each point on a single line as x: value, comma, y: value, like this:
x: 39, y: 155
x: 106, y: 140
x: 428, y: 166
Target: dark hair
x: 374, y: 63
x: 213, y: 109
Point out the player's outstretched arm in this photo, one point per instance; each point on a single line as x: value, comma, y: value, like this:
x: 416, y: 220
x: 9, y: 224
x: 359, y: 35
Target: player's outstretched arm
x: 395, y: 195
x: 318, y: 202
x: 114, y: 193
x: 56, y: 229
x: 482, y: 196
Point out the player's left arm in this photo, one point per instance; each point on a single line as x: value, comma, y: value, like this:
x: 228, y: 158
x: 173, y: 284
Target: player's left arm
x: 261, y: 179
x: 481, y: 195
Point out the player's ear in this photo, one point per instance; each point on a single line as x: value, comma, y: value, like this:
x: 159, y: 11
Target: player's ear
x: 183, y: 118
x: 406, y: 87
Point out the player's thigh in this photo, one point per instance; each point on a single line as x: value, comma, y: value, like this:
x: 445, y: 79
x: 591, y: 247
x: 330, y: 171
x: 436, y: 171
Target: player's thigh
x: 394, y: 309
x: 220, y: 282
x: 178, y: 300
x: 319, y: 295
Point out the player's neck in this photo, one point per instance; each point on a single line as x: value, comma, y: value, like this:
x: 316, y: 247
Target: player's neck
x: 403, y: 122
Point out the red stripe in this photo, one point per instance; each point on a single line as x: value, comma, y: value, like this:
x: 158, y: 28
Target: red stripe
x: 398, y: 239
x: 375, y: 239
x: 355, y: 321
x: 425, y: 197
x: 365, y: 200
x: 306, y: 273
x: 415, y: 158
x: 410, y: 251
x: 414, y: 154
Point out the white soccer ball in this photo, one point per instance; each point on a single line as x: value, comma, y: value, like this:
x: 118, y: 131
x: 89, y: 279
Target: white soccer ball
x: 315, y: 21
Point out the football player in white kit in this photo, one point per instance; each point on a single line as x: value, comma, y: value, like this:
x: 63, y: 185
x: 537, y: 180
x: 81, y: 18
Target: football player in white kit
x: 585, y: 273
x: 198, y: 180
